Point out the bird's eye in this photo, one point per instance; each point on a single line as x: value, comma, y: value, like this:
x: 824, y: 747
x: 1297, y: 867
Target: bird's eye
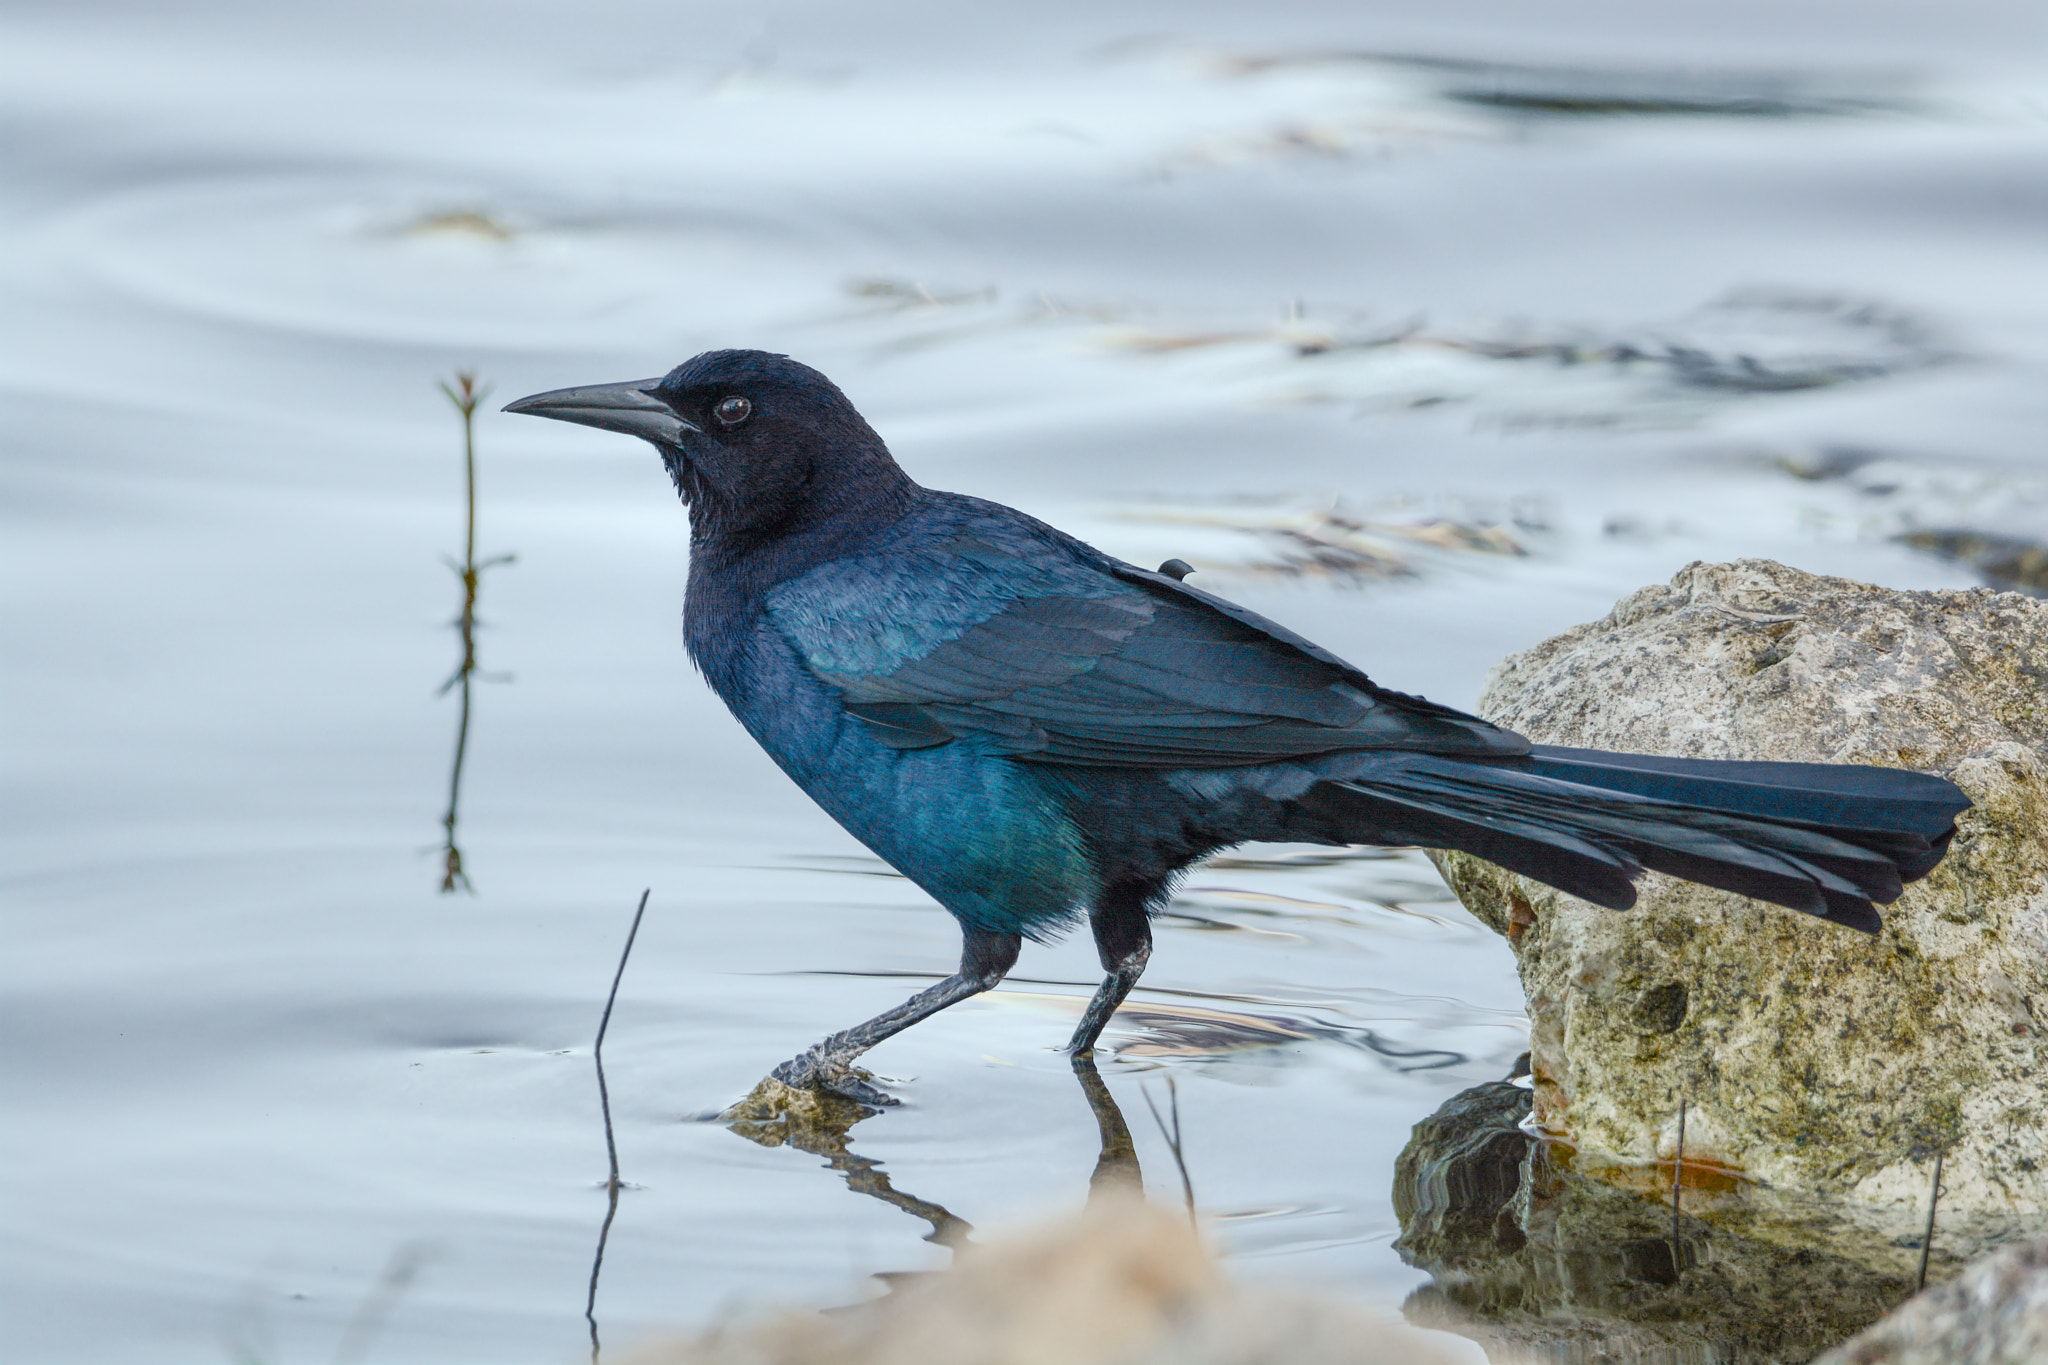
x: 733, y: 411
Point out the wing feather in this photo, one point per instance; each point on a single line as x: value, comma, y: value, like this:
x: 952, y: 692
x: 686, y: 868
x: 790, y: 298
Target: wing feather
x: 1055, y: 655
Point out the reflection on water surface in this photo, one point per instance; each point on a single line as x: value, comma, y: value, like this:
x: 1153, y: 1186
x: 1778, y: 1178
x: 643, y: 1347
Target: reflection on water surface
x: 1535, y: 1260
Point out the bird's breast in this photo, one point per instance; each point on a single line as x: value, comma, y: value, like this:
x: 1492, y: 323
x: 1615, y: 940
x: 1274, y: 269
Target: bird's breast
x: 987, y: 837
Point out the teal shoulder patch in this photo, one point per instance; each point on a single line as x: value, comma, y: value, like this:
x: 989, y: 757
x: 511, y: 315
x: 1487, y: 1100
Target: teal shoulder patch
x: 873, y: 613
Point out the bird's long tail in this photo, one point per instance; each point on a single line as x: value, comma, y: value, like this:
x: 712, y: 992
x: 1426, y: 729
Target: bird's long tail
x: 1826, y: 839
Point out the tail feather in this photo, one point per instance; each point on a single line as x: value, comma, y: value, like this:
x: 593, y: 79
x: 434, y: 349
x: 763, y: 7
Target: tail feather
x: 1707, y: 839
x: 1543, y: 850
x: 1824, y: 839
x: 1820, y: 795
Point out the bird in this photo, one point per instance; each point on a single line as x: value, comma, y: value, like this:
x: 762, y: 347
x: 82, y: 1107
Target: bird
x: 1038, y: 734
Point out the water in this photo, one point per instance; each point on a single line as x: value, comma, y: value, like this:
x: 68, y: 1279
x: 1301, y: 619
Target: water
x: 1429, y: 359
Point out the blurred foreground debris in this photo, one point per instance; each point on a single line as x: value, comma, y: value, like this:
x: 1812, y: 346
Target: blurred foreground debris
x: 1123, y: 1283
x: 1994, y: 1313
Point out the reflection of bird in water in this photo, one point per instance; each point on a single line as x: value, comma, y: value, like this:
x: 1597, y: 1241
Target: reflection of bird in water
x: 820, y: 1122
x: 1122, y: 1282
x: 1031, y: 730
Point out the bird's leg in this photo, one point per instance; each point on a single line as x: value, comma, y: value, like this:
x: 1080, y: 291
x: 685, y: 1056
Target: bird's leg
x: 985, y: 957
x: 1123, y: 940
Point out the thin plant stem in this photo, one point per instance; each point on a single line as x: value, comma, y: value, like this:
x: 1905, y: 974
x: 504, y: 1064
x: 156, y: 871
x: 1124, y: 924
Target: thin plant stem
x: 1173, y: 1142
x: 399, y: 1274
x: 466, y: 394
x: 1677, y: 1175
x: 1927, y: 1240
x: 611, y: 1145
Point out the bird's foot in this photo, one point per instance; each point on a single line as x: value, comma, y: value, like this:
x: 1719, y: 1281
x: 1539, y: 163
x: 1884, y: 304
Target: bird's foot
x: 820, y: 1070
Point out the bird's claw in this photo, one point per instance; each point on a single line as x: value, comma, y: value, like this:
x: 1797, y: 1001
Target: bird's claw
x: 816, y: 1070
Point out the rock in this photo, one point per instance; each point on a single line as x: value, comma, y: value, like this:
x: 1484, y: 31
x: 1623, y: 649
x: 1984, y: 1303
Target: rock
x: 1822, y: 1070
x: 1536, y: 1261
x: 819, y: 1122
x: 1994, y: 1313
x: 1124, y: 1283
x: 774, y: 1113
x: 1456, y: 1180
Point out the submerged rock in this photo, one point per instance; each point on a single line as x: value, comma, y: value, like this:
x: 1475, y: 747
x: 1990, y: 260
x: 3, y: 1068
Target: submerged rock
x: 1823, y: 1071
x: 1536, y: 1261
x: 820, y: 1122
x: 1455, y: 1182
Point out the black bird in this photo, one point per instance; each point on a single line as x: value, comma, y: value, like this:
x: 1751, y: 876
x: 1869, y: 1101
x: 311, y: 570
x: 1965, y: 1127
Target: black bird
x: 1034, y: 732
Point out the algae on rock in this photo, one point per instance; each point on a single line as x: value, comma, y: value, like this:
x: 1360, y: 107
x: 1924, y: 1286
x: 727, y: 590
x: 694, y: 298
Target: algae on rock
x: 1823, y: 1071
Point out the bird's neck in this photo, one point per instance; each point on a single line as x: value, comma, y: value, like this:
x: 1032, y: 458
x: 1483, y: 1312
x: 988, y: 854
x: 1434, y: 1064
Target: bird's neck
x: 737, y: 555
x: 781, y: 535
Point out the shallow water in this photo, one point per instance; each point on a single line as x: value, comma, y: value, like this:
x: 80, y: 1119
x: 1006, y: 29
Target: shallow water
x: 1428, y: 358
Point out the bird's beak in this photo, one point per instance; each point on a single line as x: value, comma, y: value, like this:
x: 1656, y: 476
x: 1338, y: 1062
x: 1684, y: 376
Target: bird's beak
x: 631, y: 408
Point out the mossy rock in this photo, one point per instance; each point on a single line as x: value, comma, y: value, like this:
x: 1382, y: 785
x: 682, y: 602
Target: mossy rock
x: 1819, y: 1067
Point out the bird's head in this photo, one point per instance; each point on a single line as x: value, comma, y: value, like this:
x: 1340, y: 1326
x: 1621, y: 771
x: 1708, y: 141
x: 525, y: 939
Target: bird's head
x: 753, y: 440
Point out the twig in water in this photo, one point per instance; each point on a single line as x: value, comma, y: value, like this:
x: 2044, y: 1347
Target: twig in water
x: 246, y: 1332
x: 465, y: 394
x: 611, y: 1146
x: 399, y: 1273
x: 1173, y: 1139
x: 1677, y: 1174
x: 1927, y: 1241
x: 452, y: 875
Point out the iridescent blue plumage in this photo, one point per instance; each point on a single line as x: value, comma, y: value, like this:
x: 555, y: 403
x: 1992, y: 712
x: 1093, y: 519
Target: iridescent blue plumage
x: 1033, y: 731
x: 990, y: 841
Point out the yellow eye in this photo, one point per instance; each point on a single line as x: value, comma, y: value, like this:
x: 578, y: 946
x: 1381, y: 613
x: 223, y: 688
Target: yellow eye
x: 733, y: 411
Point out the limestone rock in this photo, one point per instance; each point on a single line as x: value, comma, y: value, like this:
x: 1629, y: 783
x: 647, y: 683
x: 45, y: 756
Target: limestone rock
x: 1994, y: 1313
x: 1823, y: 1070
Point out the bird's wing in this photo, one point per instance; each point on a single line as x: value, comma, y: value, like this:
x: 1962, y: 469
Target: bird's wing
x: 1055, y: 659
